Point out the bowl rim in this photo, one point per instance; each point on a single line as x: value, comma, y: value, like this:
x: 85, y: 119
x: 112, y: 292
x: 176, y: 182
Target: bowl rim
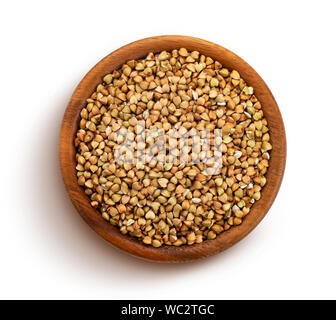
x: 136, y: 50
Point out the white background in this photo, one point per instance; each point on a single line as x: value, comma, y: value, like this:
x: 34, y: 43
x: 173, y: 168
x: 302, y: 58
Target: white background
x: 47, y: 251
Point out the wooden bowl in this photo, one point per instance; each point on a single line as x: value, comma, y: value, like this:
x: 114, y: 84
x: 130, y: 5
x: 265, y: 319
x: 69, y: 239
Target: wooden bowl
x: 139, y: 49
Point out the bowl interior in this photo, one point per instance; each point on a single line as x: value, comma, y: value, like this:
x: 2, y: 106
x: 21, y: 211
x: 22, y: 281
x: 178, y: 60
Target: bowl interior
x: 138, y: 50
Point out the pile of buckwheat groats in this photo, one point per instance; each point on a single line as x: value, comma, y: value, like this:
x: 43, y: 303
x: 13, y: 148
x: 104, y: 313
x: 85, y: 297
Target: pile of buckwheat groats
x: 157, y: 200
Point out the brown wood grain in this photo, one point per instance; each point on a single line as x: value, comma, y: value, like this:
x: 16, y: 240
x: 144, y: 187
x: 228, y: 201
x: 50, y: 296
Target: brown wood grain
x: 139, y: 49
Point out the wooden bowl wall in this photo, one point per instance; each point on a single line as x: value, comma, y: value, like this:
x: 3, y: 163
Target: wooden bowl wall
x: 139, y: 49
